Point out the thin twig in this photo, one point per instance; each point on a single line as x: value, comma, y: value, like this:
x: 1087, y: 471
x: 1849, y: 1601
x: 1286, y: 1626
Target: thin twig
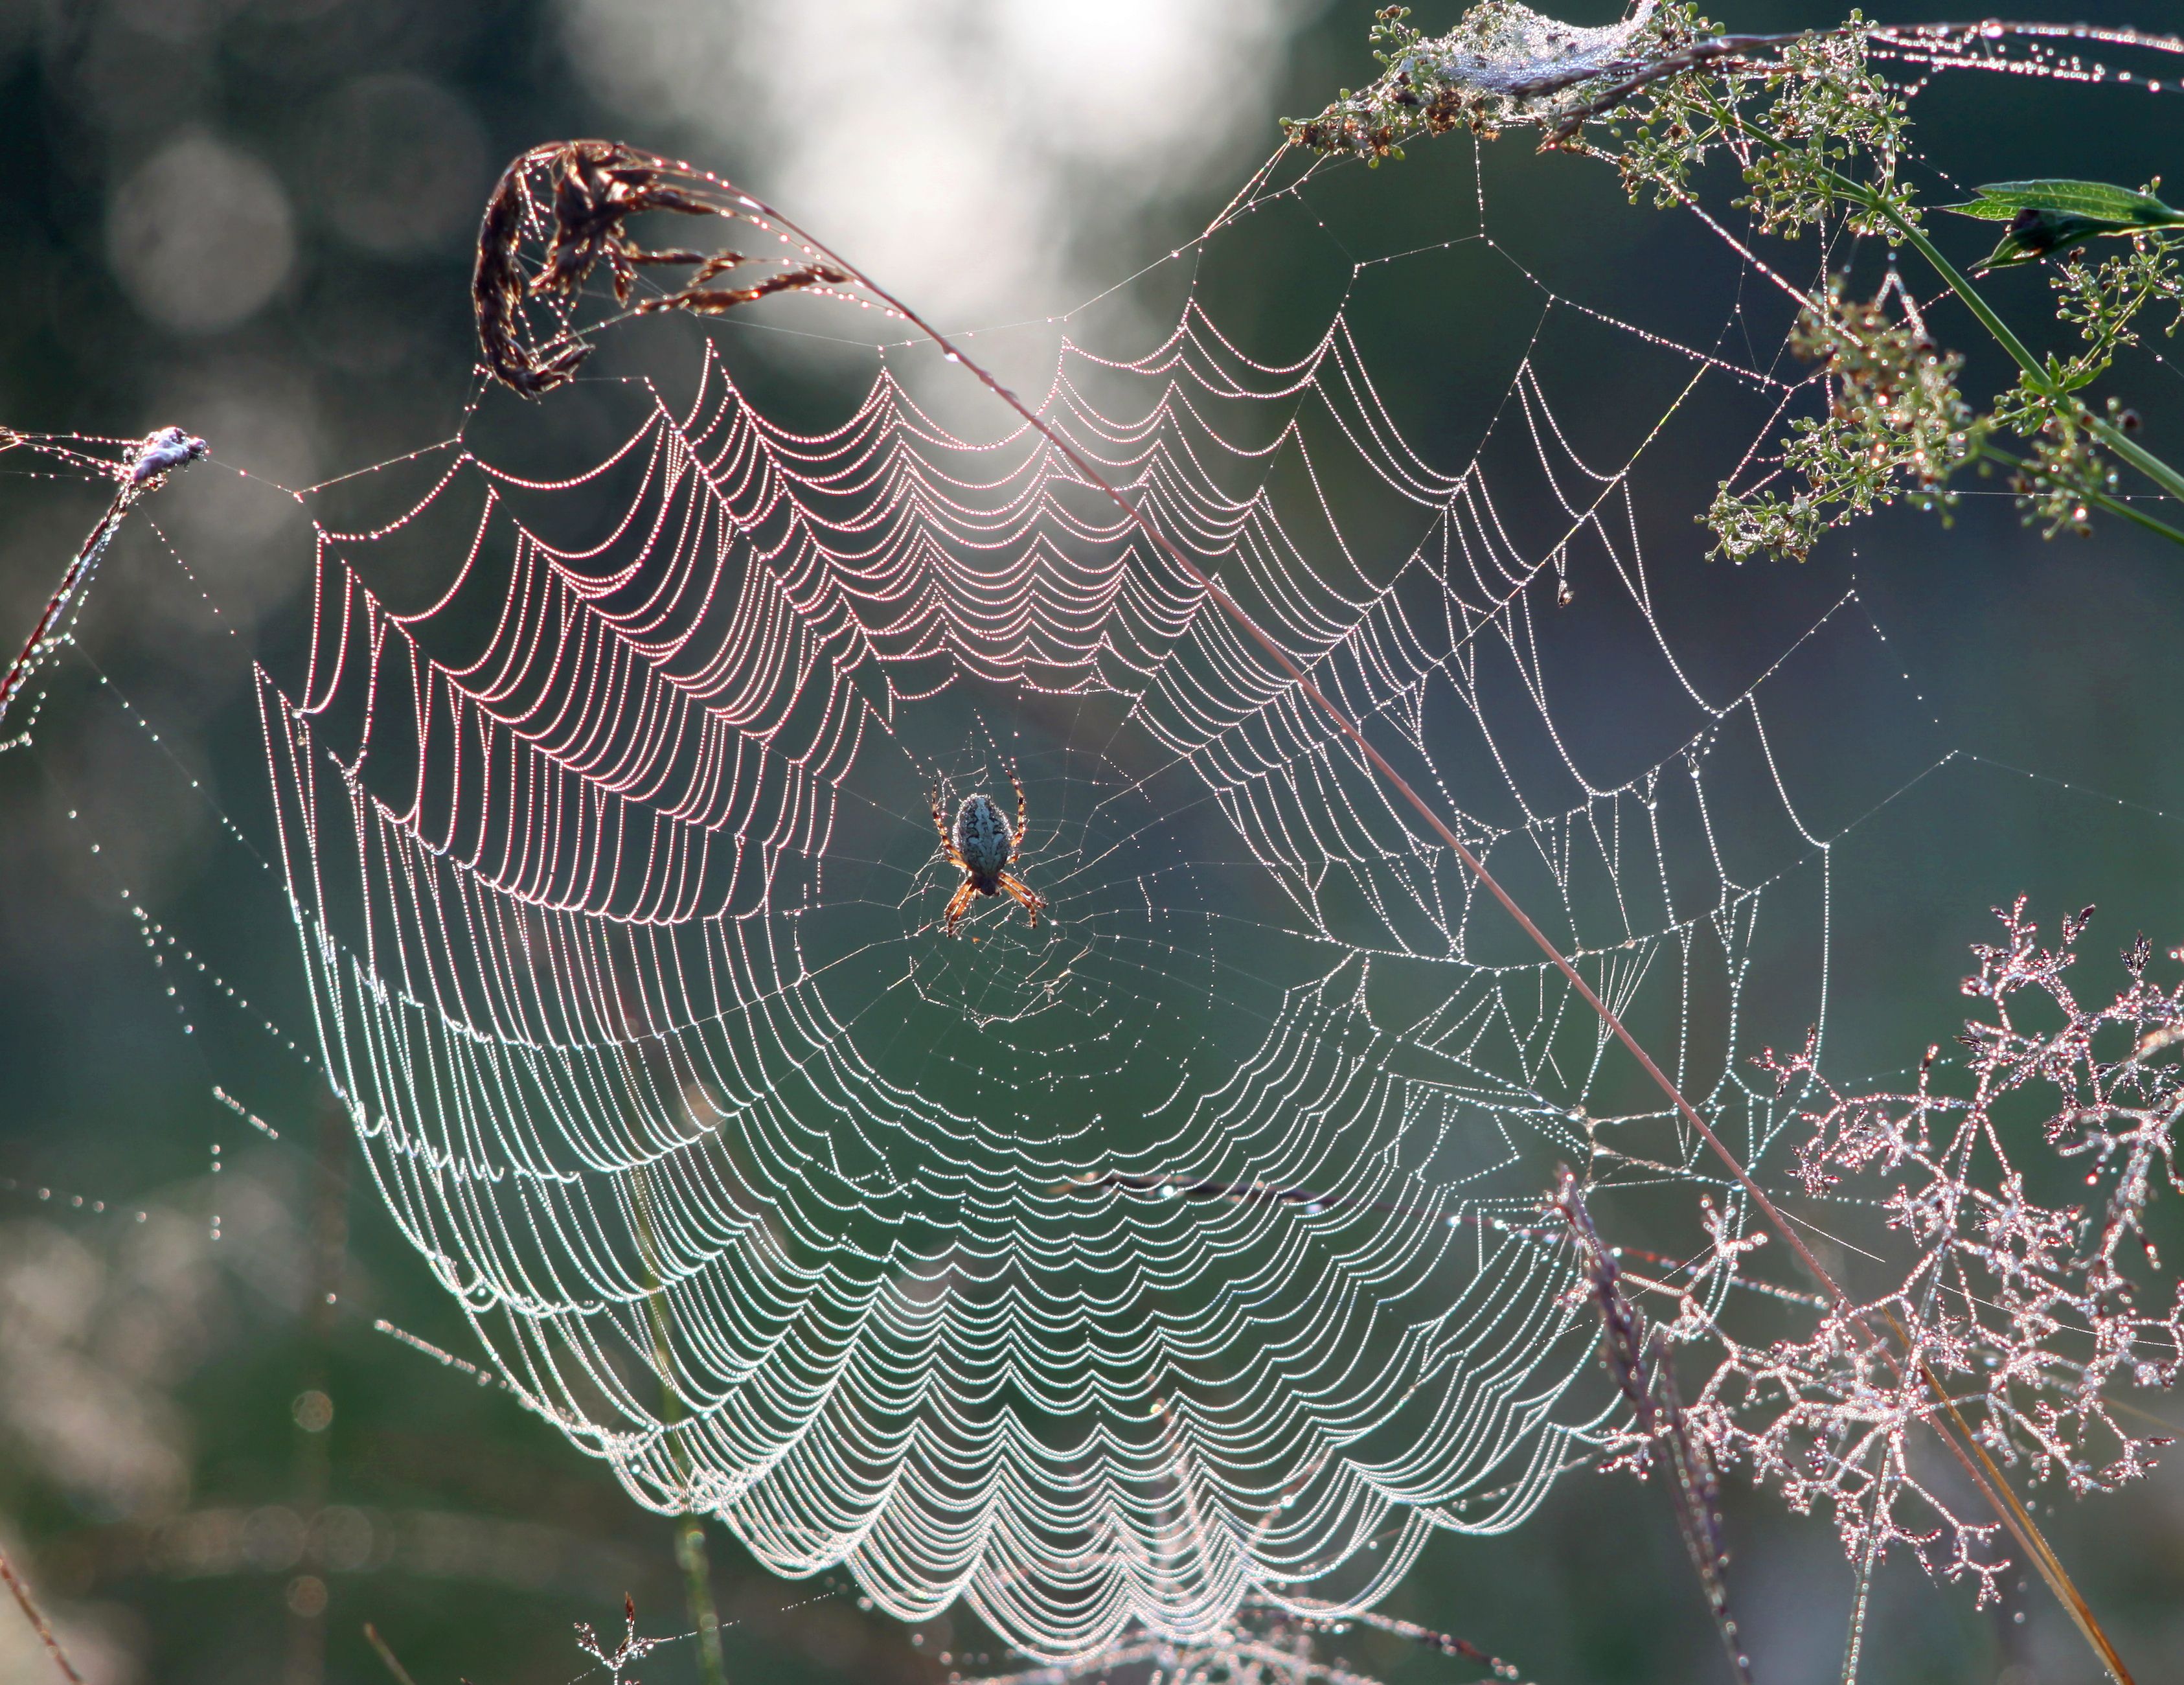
x: 38, y: 1620
x: 1640, y: 1363
x: 146, y: 470
x: 393, y: 1664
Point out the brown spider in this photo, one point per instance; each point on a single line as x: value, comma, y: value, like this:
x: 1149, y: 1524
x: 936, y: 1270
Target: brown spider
x: 983, y: 847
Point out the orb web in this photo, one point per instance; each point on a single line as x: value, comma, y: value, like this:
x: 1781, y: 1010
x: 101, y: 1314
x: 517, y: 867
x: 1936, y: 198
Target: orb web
x: 1178, y: 1247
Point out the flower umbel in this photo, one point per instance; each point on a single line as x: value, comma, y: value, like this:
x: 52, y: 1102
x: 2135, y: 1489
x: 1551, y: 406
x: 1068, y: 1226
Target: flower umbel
x: 2030, y: 1313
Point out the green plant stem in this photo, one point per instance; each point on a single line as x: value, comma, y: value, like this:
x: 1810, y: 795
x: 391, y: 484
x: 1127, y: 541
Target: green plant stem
x: 2121, y: 443
x: 1915, y: 236
x: 2101, y: 500
x: 2116, y: 505
x: 2117, y: 441
x: 689, y: 1531
x: 698, y: 1593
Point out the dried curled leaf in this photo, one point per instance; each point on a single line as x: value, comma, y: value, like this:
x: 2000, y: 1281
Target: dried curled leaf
x: 560, y: 211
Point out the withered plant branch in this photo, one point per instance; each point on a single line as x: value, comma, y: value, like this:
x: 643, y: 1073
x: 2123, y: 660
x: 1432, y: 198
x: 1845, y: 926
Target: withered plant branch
x: 36, y: 1617
x: 598, y: 186
x: 145, y: 469
x: 1643, y: 1371
x: 387, y: 1656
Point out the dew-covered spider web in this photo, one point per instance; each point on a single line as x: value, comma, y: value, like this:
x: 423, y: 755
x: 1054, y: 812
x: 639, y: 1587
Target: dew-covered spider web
x: 1184, y: 1246
x: 1102, y: 1268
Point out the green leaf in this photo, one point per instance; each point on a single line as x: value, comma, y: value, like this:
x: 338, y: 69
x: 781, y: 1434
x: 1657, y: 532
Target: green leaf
x: 2046, y: 217
x: 2095, y: 201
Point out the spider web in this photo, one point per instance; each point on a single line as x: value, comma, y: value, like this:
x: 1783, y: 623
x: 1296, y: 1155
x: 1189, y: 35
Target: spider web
x: 1182, y: 1244
x: 1186, y: 1247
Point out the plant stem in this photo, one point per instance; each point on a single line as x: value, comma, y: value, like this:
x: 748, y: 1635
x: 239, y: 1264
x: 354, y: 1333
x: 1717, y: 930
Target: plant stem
x: 80, y: 568
x: 38, y: 1620
x: 393, y: 1664
x: 2101, y: 500
x: 2116, y: 505
x: 2121, y: 443
x: 1915, y: 236
x: 145, y: 469
x: 689, y: 1531
x: 1861, y: 1602
x: 2118, y: 441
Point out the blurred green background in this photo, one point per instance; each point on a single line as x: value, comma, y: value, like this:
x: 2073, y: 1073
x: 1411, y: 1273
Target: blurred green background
x: 253, y: 217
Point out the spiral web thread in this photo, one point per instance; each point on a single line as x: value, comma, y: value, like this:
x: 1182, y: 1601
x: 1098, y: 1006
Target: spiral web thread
x: 1184, y: 1248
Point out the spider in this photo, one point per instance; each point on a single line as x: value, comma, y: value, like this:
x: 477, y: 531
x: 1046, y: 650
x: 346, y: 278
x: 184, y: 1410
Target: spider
x: 983, y: 847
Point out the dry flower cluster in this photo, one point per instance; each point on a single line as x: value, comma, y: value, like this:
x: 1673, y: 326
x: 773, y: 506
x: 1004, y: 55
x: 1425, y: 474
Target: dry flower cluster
x: 2030, y: 1314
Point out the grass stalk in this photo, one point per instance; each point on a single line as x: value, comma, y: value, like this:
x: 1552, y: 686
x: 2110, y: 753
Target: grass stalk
x: 690, y: 1552
x: 39, y: 1625
x: 2004, y: 1501
x: 392, y: 1663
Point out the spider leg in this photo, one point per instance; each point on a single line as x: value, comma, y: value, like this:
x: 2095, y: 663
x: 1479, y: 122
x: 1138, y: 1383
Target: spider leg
x: 1016, y: 842
x: 947, y: 842
x: 958, y: 905
x: 1027, y: 897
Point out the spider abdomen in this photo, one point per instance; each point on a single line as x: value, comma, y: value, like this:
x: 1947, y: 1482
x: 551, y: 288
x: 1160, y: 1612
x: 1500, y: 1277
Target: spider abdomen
x: 982, y: 838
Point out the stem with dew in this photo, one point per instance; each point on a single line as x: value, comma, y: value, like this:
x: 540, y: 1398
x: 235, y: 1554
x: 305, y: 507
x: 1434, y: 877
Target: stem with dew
x: 689, y: 1531
x: 146, y: 469
x: 38, y: 1620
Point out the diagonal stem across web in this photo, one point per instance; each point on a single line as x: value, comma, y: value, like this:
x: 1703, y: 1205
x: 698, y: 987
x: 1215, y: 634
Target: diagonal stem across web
x: 605, y: 182
x: 36, y: 1617
x: 1975, y: 1461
